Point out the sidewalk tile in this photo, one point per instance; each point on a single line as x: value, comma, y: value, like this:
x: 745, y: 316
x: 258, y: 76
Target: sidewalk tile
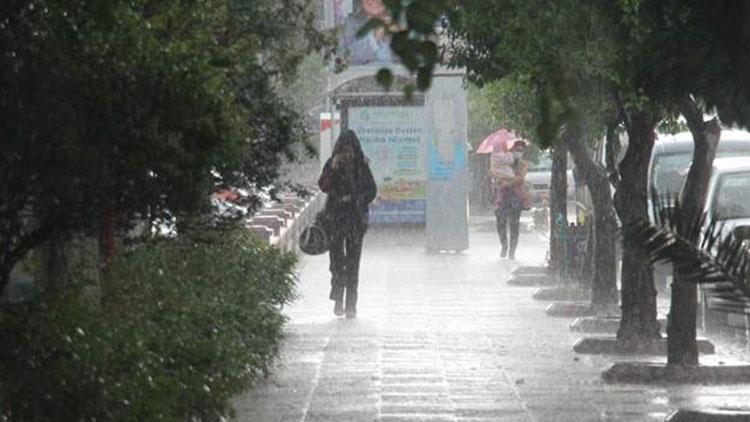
x: 442, y: 337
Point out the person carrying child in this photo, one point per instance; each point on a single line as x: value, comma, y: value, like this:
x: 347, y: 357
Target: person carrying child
x: 508, y: 172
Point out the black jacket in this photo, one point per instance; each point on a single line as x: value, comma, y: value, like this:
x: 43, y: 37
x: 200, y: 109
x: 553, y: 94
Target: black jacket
x: 350, y: 190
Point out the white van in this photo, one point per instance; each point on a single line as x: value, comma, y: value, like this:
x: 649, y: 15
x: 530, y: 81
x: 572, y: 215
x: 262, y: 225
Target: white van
x: 539, y: 178
x: 728, y: 199
x: 673, y: 154
x: 728, y: 204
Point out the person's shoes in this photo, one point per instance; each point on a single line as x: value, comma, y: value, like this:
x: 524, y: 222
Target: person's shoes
x: 503, y: 252
x: 512, y: 256
x: 338, y: 308
x: 351, y: 312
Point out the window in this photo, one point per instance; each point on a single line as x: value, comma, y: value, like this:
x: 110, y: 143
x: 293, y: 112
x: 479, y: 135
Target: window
x: 670, y: 170
x: 732, y: 198
x: 544, y: 162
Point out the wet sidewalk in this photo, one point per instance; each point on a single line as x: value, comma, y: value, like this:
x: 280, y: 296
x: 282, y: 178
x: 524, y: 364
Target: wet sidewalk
x: 442, y: 337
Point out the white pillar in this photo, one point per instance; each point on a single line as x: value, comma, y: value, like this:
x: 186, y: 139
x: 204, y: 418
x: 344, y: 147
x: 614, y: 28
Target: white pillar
x: 447, y: 225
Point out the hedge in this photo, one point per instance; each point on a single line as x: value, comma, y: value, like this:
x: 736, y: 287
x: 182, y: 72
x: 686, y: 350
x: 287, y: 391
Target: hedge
x: 178, y: 329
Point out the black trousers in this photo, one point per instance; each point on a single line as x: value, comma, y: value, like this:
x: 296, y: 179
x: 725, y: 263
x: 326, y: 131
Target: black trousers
x: 345, y: 250
x: 508, y: 216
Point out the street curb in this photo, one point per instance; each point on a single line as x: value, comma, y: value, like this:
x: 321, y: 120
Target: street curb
x: 603, y: 325
x: 709, y: 416
x: 612, y: 346
x: 659, y: 373
x: 531, y: 269
x: 569, y: 309
x: 562, y: 294
x: 532, y: 280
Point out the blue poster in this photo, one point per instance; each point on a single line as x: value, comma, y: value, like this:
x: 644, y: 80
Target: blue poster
x: 393, y: 139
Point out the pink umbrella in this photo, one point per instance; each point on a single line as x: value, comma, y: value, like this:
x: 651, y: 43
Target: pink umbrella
x: 502, y: 138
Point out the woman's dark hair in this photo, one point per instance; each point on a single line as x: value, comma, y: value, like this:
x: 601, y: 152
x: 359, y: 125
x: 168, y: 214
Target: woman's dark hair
x: 349, y: 138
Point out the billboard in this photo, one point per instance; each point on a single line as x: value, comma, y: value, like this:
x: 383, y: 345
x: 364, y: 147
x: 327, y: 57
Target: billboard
x: 393, y: 139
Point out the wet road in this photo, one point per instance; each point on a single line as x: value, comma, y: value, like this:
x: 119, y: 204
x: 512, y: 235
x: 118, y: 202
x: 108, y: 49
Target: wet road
x: 442, y: 337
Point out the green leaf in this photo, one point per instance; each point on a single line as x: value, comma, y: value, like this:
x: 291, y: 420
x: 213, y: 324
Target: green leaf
x: 394, y: 7
x: 384, y: 78
x: 420, y: 17
x: 400, y: 42
x: 406, y: 49
x: 409, y: 90
x: 429, y: 52
x: 424, y: 78
x: 370, y: 26
x: 724, y: 262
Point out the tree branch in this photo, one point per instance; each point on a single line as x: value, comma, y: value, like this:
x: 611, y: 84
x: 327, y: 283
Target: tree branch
x: 693, y: 114
x: 623, y: 115
x: 612, y: 151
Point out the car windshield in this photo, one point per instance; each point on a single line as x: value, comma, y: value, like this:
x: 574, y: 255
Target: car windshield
x: 732, y: 199
x: 544, y: 163
x: 670, y: 170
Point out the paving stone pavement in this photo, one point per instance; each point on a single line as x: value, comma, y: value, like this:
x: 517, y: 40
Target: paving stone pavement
x: 442, y: 337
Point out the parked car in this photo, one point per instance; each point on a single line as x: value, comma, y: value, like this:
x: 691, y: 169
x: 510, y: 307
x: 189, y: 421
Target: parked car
x: 728, y: 199
x: 670, y: 161
x: 727, y: 203
x: 673, y: 154
x: 539, y: 178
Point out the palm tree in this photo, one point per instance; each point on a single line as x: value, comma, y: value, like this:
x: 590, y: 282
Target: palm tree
x: 720, y: 261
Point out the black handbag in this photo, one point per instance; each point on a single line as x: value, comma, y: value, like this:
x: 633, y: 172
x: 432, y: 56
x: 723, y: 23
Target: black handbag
x: 314, y: 240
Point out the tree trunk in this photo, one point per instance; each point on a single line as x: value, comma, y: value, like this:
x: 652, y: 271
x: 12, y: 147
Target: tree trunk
x: 6, y: 263
x: 4, y: 278
x: 54, y: 269
x: 589, y: 263
x: 604, y: 283
x: 558, y: 204
x: 16, y: 246
x: 744, y: 44
x: 107, y: 234
x: 682, y: 348
x: 612, y: 153
x: 639, y: 319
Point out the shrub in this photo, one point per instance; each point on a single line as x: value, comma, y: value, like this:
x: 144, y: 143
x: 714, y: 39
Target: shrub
x: 179, y: 329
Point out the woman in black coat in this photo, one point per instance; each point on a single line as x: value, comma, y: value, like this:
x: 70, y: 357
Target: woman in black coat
x: 348, y: 181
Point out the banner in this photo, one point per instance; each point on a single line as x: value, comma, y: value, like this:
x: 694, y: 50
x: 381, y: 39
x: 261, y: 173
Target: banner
x: 393, y: 139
